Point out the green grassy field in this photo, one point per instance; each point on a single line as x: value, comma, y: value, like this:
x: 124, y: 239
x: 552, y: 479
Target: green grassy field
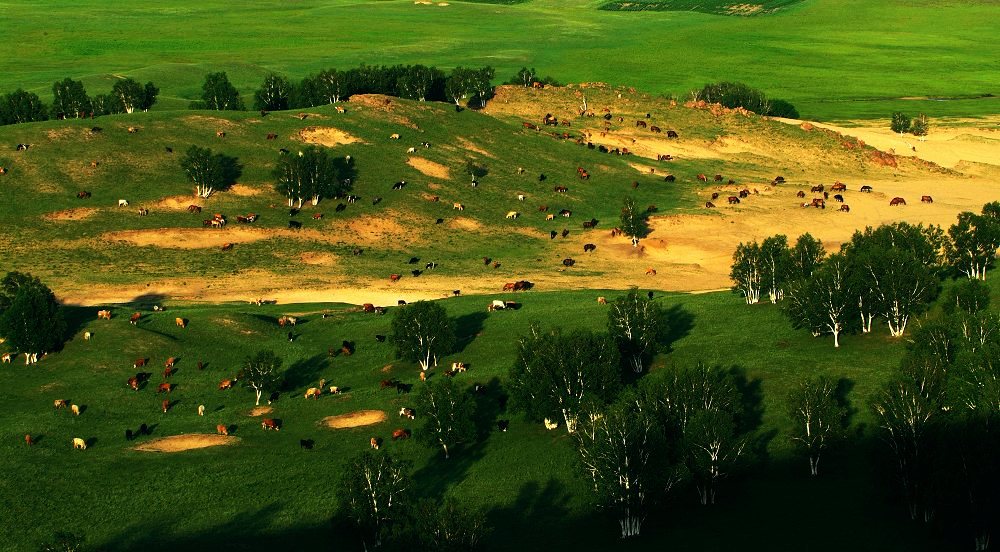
x: 265, y: 491
x: 833, y: 59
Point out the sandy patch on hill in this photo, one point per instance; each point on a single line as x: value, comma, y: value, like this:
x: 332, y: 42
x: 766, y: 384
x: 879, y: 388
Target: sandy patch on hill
x: 429, y: 168
x: 260, y: 411
x: 179, y: 443
x: 466, y: 144
x: 188, y: 238
x: 354, y: 419
x: 243, y: 190
x: 79, y: 213
x: 326, y: 136
x: 178, y: 203
x: 976, y: 141
x: 206, y: 120
x: 464, y: 223
x: 317, y: 258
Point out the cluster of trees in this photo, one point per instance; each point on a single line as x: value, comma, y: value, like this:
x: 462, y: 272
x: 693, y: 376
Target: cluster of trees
x: 528, y: 77
x: 737, y: 94
x: 901, y: 123
x: 210, y: 172
x: 891, y: 273
x: 71, y: 101
x: 940, y: 417
x: 415, y: 82
x: 313, y: 173
x: 31, y: 319
x: 633, y: 220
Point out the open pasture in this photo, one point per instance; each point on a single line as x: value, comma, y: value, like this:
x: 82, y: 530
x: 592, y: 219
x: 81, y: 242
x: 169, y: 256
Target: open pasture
x: 833, y: 59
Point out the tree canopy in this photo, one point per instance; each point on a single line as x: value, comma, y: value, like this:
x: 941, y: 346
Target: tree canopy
x: 423, y: 332
x: 30, y: 316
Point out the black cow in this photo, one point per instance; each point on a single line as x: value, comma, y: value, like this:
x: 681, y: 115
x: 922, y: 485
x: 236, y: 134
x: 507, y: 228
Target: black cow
x: 380, y: 338
x: 340, y: 207
x: 553, y: 234
x: 414, y: 260
x: 294, y: 224
x: 306, y: 444
x: 588, y: 247
x: 399, y: 185
x: 568, y: 262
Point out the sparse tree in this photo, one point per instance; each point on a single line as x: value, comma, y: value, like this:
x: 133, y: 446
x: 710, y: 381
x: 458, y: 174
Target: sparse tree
x: 417, y: 81
x: 481, y: 82
x: 64, y: 541
x: 210, y: 172
x: 30, y: 317
x: 449, y: 526
x: 818, y: 418
x: 972, y: 249
x: 776, y: 266
x: 423, y: 332
x: 149, y: 94
x: 374, y: 491
x: 313, y: 174
x: 69, y: 99
x: 261, y: 373
x: 458, y: 85
x: 970, y: 296
x: 900, y: 122
x: 447, y: 412
x: 564, y: 375
x: 902, y: 287
x: 524, y: 77
x: 619, y: 450
x: 807, y: 255
x: 824, y: 303
x: 633, y: 221
x: 920, y: 125
x: 332, y: 85
x: 273, y: 94
x: 747, y: 271
x: 636, y: 323
x: 219, y: 94
x: 129, y: 95
x: 713, y: 448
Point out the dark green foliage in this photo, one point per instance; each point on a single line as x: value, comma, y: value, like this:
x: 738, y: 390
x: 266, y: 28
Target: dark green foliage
x: 447, y: 414
x: 423, y: 332
x: 564, y: 375
x: 807, y: 254
x: 781, y: 108
x: 326, y: 87
x: 747, y: 271
x: 826, y: 301
x: 776, y: 266
x: 920, y: 125
x: 128, y: 95
x: 899, y: 123
x: 273, y: 94
x: 458, y: 84
x: 30, y: 317
x: 210, y: 172
x: 972, y: 249
x: 64, y: 541
x: 448, y: 527
x: 637, y: 324
x: 69, y: 99
x: 374, y: 494
x: 417, y: 82
x: 261, y: 372
x: 219, y: 94
x: 969, y: 296
x: 21, y: 107
x: 819, y: 418
x: 313, y: 173
x: 736, y: 94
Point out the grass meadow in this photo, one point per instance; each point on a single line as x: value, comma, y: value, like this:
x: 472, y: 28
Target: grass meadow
x: 264, y: 491
x: 833, y: 59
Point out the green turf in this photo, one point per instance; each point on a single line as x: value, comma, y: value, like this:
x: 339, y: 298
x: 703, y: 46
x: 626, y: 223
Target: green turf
x: 265, y: 490
x: 833, y: 59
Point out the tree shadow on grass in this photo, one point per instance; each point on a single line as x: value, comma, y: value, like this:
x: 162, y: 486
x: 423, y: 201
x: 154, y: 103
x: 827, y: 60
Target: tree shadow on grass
x: 540, y: 509
x: 750, y: 416
x: 489, y: 406
x: 304, y: 372
x: 439, y: 474
x: 467, y: 328
x: 678, y: 323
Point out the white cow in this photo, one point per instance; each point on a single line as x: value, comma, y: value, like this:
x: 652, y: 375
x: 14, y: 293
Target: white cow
x: 123, y: 203
x: 513, y: 214
x: 498, y: 305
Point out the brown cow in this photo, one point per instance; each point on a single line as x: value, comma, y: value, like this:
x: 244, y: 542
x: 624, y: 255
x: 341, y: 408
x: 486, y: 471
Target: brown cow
x: 164, y: 388
x: 60, y: 403
x: 817, y: 188
x: 220, y: 134
x: 819, y: 202
x: 133, y: 382
x: 170, y: 362
x: 368, y: 307
x: 715, y: 195
x: 838, y: 187
x: 400, y: 434
x: 926, y: 199
x: 226, y: 384
x: 640, y: 124
x: 650, y: 272
x: 394, y: 277
x: 374, y: 441
x: 703, y: 178
x: 165, y: 405
x: 139, y: 363
x: 800, y: 193
x: 167, y: 372
x: 845, y: 208
x: 194, y: 208
x: 134, y: 319
x: 28, y: 440
x: 222, y: 430
x: 269, y: 423
x: 272, y: 136
x: 897, y: 201
x: 313, y: 393
x: 866, y: 188
x: 709, y: 205
x: 733, y: 200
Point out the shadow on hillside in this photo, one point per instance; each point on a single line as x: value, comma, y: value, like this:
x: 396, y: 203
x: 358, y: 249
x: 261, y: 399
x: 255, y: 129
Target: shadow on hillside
x: 489, y: 406
x: 678, y: 322
x: 540, y: 509
x: 304, y: 373
x: 467, y: 328
x: 77, y: 319
x: 439, y: 474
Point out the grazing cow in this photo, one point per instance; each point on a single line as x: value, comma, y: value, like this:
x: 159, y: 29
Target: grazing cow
x: 838, y: 197
x: 222, y: 429
x: 593, y: 222
x: 459, y: 366
x: 94, y: 164
x: 458, y: 206
x: 565, y: 213
x: 672, y: 134
x: 800, y: 193
x: 164, y: 388
x: 374, y: 442
x: 718, y: 178
x: 28, y: 440
x: 521, y: 197
x: 640, y: 124
x: 139, y: 363
x: 123, y: 203
x: 295, y: 225
x: 270, y: 423
x: 165, y: 405
x: 340, y: 109
x: 220, y: 134
x: 313, y: 393
x: 650, y: 272
x: 334, y: 390
x: 394, y: 136
x: 838, y: 187
x: 602, y: 301
x: 550, y: 425
x: 817, y: 188
x: 866, y: 188
x: 394, y: 277
x: 744, y: 194
x: 75, y: 409
x: 60, y: 403
x: 133, y: 382
x: 181, y: 322
x: 387, y: 384
x: 568, y: 262
x: 317, y: 216
x: 845, y: 208
x: 416, y: 273
x: 550, y: 216
x: 408, y: 412
x: 926, y: 199
x: 226, y: 384
x: 779, y: 180
x: 560, y: 189
x: 23, y: 147
x: 87, y: 336
x: 655, y: 129
x: 133, y: 130
x: 83, y: 194
x: 79, y: 443
x: 502, y: 425
x: 380, y: 338
x: 399, y: 185
x: 143, y: 211
x: 227, y: 246
x: 134, y: 319
x: 201, y: 410
x: 339, y: 208
x: 702, y: 178
x: 818, y: 202
x: 715, y: 195
x: 733, y: 200
x: 709, y: 205
x: 194, y: 208
x: 201, y: 365
x: 306, y: 444
x: 564, y: 232
x: 513, y: 214
x: 400, y: 434
x: 411, y: 150
x: 897, y: 201
x: 7, y: 358
x: 588, y: 247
